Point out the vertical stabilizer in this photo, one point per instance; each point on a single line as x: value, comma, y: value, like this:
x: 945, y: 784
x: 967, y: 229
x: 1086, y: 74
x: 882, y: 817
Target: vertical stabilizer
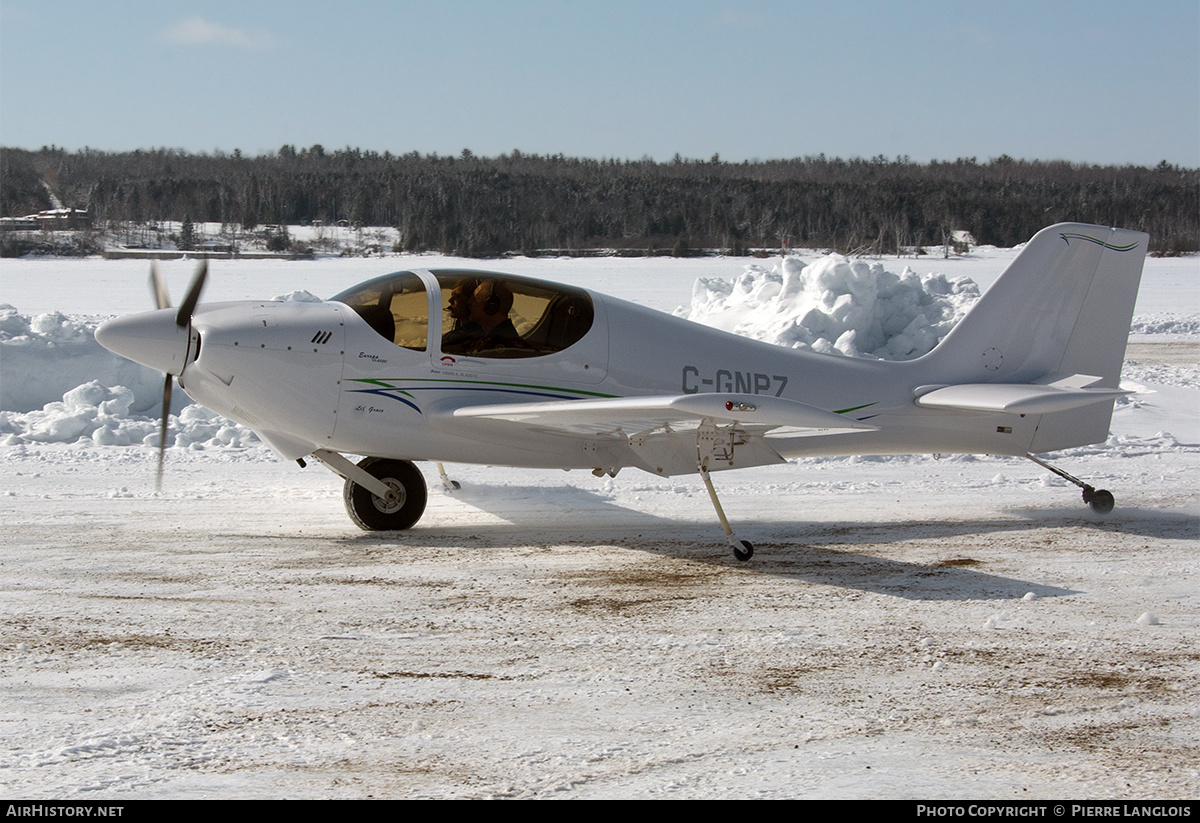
x: 1062, y: 307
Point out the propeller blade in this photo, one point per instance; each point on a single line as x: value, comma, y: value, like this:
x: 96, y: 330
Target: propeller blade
x: 158, y: 286
x: 184, y: 315
x: 162, y: 431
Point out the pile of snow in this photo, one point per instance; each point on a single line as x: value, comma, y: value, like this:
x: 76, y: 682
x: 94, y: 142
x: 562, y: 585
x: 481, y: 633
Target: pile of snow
x: 301, y: 296
x: 44, y: 357
x: 1173, y: 324
x: 836, y: 306
x: 102, y: 415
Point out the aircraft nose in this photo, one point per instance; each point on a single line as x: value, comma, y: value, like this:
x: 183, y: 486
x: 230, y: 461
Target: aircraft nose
x: 151, y: 338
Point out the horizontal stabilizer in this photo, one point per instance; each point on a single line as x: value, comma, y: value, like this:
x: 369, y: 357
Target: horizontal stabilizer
x: 633, y: 414
x: 1050, y: 394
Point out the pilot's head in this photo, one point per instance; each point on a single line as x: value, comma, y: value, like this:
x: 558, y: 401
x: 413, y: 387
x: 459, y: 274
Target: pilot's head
x: 460, y: 298
x: 491, y: 302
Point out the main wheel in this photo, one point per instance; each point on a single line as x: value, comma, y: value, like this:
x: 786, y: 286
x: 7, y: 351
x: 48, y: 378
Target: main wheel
x: 373, y: 514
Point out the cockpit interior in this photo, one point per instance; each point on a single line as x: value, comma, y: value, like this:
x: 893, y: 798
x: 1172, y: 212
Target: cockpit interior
x: 482, y: 314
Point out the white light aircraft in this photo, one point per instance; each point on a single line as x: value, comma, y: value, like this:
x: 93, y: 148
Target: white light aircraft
x: 477, y: 367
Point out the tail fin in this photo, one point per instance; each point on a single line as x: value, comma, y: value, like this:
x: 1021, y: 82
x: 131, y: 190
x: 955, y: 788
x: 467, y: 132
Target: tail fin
x: 1062, y: 307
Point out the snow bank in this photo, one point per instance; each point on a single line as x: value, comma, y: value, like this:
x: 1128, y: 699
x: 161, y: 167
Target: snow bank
x: 1173, y: 324
x: 836, y: 306
x: 44, y: 357
x: 102, y: 415
x: 300, y: 296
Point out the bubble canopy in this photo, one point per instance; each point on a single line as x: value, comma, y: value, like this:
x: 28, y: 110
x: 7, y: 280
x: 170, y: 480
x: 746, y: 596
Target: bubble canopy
x: 482, y: 314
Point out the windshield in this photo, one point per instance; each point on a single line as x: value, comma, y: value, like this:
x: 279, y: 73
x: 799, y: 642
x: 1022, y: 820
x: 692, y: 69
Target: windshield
x: 396, y: 306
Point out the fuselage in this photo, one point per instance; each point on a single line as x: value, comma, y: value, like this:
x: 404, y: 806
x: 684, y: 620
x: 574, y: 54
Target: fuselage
x: 309, y: 376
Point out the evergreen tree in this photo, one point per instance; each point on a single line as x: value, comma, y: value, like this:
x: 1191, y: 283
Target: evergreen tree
x: 187, y: 235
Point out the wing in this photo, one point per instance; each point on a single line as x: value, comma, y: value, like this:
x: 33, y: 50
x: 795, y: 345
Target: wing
x: 668, y: 434
x: 633, y: 414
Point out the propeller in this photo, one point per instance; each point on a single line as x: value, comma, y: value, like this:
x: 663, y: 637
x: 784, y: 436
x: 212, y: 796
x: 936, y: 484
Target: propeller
x: 183, y: 319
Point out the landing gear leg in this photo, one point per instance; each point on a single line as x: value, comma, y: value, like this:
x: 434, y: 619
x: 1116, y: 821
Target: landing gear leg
x: 448, y: 484
x: 1101, y: 501
x: 742, y: 549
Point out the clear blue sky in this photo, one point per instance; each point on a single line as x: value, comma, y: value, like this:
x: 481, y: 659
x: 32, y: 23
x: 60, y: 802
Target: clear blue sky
x: 1094, y: 81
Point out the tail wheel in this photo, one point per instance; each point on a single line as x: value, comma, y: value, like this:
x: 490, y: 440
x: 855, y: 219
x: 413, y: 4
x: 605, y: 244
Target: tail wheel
x: 375, y: 514
x: 1101, y: 501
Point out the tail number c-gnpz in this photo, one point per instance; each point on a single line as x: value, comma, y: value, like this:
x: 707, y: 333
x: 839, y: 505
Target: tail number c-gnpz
x: 727, y: 380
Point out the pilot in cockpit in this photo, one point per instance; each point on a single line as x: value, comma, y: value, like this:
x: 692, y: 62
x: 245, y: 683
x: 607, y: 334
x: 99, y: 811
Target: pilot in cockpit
x: 490, y: 305
x: 464, y: 331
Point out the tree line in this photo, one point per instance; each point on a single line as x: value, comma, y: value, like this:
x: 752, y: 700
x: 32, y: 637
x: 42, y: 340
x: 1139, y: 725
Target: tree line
x: 479, y: 206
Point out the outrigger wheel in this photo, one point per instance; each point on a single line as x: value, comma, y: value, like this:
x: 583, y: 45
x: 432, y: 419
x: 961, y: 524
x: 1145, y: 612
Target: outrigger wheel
x: 743, y: 549
x: 376, y: 514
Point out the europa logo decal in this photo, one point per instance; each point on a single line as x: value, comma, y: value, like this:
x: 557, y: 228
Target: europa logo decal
x: 1069, y: 236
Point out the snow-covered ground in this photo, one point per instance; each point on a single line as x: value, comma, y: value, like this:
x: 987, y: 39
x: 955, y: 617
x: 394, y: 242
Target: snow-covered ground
x: 908, y: 627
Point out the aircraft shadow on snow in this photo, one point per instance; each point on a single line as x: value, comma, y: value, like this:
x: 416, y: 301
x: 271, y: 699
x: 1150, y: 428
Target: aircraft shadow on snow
x: 810, y: 552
